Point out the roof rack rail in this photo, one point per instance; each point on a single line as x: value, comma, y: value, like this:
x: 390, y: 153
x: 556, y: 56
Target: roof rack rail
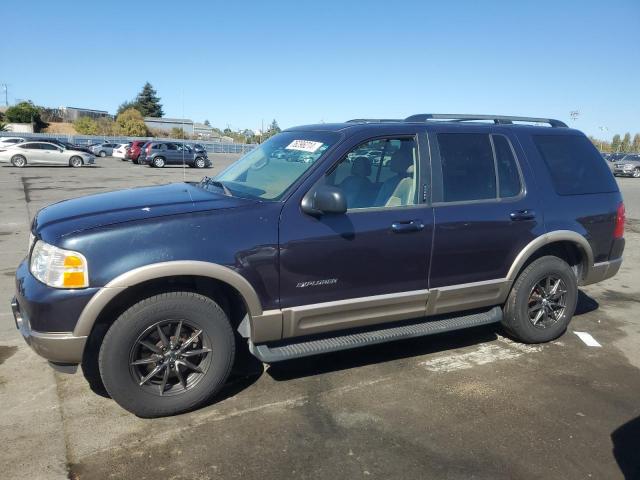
x: 498, y: 119
x: 374, y: 120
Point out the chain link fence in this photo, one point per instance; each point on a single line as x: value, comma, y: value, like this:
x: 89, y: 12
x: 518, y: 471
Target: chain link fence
x: 211, y: 147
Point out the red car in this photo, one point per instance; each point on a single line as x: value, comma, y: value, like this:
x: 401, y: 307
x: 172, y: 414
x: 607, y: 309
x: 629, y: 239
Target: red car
x: 133, y: 152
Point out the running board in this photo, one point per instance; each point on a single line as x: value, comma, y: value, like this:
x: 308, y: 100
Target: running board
x: 286, y: 351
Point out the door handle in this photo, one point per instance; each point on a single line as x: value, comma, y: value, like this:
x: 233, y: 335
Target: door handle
x: 407, y: 226
x: 525, y: 214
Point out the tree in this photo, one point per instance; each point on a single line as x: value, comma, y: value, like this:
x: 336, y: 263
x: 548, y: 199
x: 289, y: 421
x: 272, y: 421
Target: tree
x: 274, y: 127
x: 86, y: 126
x: 126, y: 105
x: 3, y: 127
x: 635, y: 146
x: 131, y: 123
x: 177, y: 133
x: 149, y: 102
x: 615, y: 143
x: 25, y: 112
x: 106, y: 126
x: 626, y: 143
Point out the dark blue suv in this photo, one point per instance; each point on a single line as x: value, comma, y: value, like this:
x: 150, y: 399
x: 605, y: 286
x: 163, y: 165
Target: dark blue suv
x: 363, y: 232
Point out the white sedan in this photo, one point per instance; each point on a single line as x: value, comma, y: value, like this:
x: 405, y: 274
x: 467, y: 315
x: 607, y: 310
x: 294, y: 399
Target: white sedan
x: 6, y: 142
x: 120, y: 151
x: 44, y: 153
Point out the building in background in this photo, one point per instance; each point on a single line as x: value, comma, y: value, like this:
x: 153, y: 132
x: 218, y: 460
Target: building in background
x: 189, y: 127
x: 71, y: 114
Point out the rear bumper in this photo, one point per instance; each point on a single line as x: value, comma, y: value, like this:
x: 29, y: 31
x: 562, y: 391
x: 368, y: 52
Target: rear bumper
x: 601, y: 271
x: 59, y: 347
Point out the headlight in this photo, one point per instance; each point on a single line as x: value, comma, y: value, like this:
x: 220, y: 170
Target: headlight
x: 58, y: 268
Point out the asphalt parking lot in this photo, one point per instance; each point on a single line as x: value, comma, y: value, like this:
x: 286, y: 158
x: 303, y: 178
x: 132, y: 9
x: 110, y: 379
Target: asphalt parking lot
x: 469, y: 404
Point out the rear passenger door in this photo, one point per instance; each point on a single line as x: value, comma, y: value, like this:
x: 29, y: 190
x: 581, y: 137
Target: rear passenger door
x: 485, y: 212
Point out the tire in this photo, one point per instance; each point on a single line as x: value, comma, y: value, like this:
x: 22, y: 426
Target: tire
x: 182, y: 391
x: 158, y: 162
x: 75, y: 162
x: 200, y: 163
x: 521, y: 310
x: 102, y: 153
x: 18, y: 161
x: 636, y: 172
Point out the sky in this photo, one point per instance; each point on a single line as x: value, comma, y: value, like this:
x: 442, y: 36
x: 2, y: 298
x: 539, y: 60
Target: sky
x: 240, y: 64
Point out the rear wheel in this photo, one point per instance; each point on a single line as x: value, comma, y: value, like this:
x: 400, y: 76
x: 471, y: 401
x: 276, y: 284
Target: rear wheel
x: 167, y: 354
x: 75, y: 162
x: 18, y: 161
x: 542, y: 301
x: 158, y: 162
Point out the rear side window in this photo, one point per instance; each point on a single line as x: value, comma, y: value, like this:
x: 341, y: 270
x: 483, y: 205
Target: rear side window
x: 468, y: 170
x: 574, y: 164
x: 508, y: 175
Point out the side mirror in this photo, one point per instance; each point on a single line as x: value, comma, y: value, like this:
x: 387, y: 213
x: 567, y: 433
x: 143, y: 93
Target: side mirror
x: 324, y: 199
x: 61, y: 149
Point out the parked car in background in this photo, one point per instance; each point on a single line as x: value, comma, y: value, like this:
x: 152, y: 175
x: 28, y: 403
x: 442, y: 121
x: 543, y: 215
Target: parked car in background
x: 628, y: 166
x: 135, y: 149
x: 45, y: 153
x: 614, y: 157
x: 159, y: 154
x: 8, y: 141
x: 67, y: 145
x: 120, y: 151
x: 103, y: 149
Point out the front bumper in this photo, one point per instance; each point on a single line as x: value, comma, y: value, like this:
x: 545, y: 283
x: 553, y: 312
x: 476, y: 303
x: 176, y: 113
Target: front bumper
x: 58, y: 347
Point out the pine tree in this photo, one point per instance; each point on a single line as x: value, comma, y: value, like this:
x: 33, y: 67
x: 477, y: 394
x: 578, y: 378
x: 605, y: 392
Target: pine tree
x: 626, y: 143
x: 635, y: 146
x: 615, y: 143
x: 148, y: 102
x: 274, y: 127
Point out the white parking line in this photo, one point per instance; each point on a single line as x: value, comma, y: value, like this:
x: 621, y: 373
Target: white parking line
x: 587, y: 339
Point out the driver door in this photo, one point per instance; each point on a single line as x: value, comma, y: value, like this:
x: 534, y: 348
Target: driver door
x: 370, y: 264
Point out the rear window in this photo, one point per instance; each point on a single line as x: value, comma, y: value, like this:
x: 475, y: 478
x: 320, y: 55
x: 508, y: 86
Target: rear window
x: 574, y: 164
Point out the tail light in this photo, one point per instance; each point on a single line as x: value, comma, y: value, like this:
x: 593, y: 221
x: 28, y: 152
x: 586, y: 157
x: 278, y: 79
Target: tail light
x: 618, y: 231
x: 148, y: 149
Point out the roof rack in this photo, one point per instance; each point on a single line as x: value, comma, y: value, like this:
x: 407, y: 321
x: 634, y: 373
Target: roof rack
x: 498, y: 119
x: 374, y: 120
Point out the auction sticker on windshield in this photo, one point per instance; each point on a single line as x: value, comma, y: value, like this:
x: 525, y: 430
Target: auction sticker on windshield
x: 304, y: 146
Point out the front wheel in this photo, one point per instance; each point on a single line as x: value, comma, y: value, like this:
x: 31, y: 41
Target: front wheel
x: 542, y: 301
x: 103, y: 154
x: 200, y: 163
x: 167, y: 354
x: 18, y: 161
x: 75, y: 162
x: 636, y: 172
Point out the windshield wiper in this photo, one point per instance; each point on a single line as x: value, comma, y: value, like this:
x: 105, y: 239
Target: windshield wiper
x: 216, y: 183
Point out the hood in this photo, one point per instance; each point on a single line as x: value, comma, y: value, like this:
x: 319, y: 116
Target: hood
x: 142, y: 203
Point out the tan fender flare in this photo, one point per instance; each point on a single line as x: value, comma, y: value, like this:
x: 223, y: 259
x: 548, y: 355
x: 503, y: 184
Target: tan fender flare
x: 161, y: 270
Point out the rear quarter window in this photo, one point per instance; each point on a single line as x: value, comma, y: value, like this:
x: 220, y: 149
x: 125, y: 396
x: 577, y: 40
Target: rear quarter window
x: 574, y: 164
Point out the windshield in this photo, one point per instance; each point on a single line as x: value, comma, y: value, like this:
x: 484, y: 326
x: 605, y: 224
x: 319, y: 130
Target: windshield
x: 267, y: 171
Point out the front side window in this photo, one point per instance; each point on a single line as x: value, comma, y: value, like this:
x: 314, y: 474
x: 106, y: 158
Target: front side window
x: 268, y: 171
x: 47, y: 146
x: 379, y: 173
x: 468, y: 170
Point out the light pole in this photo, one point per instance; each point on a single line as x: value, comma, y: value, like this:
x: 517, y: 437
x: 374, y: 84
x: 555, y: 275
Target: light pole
x: 602, y: 129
